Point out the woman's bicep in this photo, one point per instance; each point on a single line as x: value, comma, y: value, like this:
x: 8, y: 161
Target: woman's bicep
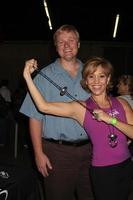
x: 63, y: 109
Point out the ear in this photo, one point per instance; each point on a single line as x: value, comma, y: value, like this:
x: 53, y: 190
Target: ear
x: 86, y: 82
x: 78, y: 44
x: 108, y: 80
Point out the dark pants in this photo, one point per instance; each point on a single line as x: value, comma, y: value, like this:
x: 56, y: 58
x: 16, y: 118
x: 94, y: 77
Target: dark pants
x: 70, y: 174
x: 112, y: 182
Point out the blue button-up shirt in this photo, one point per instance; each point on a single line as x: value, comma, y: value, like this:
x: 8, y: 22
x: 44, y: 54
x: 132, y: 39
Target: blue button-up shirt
x: 58, y: 128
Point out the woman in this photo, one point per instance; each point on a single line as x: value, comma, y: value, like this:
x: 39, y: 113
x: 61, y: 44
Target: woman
x: 107, y: 120
x: 125, y: 88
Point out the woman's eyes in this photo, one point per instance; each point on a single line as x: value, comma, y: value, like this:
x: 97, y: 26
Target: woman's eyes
x: 100, y: 76
x: 90, y: 76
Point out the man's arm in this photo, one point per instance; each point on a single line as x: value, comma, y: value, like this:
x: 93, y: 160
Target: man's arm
x: 35, y: 132
x: 41, y: 159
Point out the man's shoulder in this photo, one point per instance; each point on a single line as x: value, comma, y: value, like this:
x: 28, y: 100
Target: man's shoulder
x: 49, y: 68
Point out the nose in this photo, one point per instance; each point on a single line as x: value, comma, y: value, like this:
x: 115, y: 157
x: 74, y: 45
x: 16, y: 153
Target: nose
x: 96, y: 79
x: 66, y: 44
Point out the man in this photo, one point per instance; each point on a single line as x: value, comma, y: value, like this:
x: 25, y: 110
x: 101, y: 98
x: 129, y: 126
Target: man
x: 61, y: 146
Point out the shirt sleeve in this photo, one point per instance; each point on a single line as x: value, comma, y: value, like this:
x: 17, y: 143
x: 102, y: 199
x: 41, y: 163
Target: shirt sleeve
x: 28, y: 107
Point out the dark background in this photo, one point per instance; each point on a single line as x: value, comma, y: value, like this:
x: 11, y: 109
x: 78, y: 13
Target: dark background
x: 24, y: 33
x: 26, y: 19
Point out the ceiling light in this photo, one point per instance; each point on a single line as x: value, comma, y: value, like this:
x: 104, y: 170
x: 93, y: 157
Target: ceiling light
x: 47, y: 13
x: 116, y: 25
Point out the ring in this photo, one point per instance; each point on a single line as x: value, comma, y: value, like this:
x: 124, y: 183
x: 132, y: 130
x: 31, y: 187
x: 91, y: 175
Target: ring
x: 95, y: 115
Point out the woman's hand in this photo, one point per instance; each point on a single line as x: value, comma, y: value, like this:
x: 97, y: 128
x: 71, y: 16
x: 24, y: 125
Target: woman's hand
x: 100, y: 115
x: 29, y: 68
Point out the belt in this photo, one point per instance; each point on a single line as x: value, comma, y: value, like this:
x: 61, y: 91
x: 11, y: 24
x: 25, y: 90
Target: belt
x: 69, y: 143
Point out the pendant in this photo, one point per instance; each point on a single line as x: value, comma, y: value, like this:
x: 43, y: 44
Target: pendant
x: 112, y: 140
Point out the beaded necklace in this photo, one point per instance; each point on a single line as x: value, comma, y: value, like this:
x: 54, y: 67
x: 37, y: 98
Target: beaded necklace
x: 112, y: 136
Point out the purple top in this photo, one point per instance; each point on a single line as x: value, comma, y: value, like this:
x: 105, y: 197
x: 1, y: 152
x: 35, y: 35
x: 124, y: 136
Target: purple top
x: 103, y: 153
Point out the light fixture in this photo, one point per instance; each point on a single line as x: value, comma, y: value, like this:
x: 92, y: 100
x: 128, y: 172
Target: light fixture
x: 116, y: 25
x: 47, y: 14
